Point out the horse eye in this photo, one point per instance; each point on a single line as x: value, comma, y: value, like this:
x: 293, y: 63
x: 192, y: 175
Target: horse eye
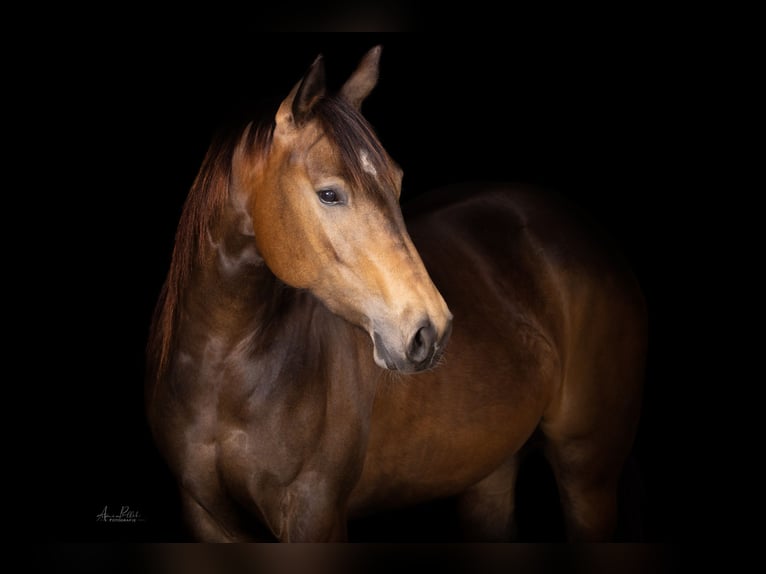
x: 328, y: 196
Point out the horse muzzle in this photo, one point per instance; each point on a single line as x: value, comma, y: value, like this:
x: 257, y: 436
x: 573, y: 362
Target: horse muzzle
x: 422, y: 350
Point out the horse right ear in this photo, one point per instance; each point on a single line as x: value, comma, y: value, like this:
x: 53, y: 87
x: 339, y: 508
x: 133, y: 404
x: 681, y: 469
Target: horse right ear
x: 296, y: 107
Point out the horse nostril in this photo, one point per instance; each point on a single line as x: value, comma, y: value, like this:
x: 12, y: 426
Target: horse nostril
x: 422, y: 343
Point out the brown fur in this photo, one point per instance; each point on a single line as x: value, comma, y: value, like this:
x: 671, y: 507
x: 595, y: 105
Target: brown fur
x: 265, y: 389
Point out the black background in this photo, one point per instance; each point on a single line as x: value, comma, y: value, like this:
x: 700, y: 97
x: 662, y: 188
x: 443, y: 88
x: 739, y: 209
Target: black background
x: 124, y: 128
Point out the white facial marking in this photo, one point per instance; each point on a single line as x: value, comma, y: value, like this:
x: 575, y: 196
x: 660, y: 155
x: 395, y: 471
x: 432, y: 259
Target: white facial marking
x: 367, y: 164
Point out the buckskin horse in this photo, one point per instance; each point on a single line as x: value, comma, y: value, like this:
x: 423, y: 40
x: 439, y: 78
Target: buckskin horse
x: 313, y: 358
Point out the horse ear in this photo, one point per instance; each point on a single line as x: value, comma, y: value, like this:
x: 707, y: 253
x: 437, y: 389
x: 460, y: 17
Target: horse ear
x: 296, y: 107
x: 363, y: 80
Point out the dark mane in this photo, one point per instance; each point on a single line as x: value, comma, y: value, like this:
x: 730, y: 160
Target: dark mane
x: 204, y: 202
x: 345, y: 127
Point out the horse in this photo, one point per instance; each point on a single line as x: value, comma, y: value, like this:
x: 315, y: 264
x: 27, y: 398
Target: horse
x: 314, y: 357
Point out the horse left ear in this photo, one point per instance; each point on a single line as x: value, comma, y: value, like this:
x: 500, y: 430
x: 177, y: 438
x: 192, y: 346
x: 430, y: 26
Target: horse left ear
x: 363, y: 80
x: 296, y: 107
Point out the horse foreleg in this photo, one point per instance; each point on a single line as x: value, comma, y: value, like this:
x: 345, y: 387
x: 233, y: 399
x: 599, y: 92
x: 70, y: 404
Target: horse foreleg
x: 487, y: 508
x: 311, y: 514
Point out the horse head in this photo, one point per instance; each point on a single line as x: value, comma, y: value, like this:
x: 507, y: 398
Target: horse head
x: 324, y: 204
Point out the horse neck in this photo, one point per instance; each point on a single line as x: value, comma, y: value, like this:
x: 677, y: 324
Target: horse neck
x: 244, y: 336
x: 284, y: 337
x: 231, y: 287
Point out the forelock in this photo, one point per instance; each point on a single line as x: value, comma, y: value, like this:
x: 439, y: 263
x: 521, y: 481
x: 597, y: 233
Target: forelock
x: 364, y: 160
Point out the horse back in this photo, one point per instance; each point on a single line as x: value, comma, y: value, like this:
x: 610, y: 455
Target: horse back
x: 526, y: 251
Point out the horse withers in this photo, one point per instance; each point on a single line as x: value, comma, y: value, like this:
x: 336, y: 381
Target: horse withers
x: 314, y: 357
